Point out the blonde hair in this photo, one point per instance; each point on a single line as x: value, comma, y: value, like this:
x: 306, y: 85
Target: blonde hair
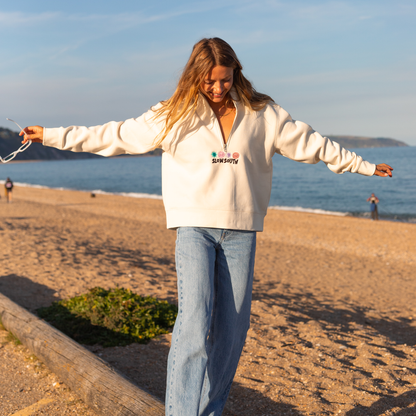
x: 206, y: 54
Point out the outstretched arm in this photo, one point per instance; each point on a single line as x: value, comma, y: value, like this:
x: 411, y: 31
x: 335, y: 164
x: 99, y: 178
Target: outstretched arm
x: 132, y: 136
x: 298, y: 141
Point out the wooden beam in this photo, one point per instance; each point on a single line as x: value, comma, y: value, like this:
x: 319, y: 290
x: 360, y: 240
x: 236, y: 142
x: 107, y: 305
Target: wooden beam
x: 100, y: 386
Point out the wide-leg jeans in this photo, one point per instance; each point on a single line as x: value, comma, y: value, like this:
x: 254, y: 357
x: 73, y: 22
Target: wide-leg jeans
x: 215, y: 278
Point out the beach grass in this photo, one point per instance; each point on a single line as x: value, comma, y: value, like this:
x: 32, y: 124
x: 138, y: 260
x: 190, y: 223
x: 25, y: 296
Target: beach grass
x: 10, y: 337
x: 13, y: 339
x: 110, y: 317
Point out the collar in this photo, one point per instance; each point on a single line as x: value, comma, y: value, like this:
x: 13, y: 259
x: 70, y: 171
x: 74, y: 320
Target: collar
x: 204, y: 107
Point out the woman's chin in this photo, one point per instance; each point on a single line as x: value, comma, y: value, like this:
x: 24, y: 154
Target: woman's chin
x: 216, y: 99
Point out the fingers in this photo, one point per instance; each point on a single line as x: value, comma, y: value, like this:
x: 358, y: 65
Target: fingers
x: 34, y: 133
x: 383, y: 170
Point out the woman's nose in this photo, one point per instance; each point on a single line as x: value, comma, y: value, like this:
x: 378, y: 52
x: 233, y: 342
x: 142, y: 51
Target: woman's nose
x: 219, y: 87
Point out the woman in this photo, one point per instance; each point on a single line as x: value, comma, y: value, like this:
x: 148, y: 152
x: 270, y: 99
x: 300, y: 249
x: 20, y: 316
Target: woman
x: 219, y: 136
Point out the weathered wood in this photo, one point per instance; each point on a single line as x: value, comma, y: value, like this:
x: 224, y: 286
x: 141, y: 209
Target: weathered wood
x: 92, y: 379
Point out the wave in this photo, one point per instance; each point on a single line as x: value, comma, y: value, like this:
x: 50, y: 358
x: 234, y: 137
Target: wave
x: 128, y: 194
x: 410, y: 218
x: 311, y: 210
x: 93, y: 191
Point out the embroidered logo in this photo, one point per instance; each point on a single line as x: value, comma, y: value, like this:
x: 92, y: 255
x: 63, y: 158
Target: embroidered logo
x: 225, y: 157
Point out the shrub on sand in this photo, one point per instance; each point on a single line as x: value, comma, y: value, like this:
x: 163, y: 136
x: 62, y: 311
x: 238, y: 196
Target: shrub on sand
x: 110, y: 317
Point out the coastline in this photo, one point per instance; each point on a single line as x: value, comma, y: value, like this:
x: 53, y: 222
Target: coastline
x: 333, y: 321
x: 315, y: 211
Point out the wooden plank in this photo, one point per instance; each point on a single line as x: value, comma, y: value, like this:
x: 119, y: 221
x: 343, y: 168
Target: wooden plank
x: 100, y: 386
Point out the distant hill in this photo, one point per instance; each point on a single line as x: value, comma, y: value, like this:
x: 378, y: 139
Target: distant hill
x: 11, y: 141
x: 357, y: 142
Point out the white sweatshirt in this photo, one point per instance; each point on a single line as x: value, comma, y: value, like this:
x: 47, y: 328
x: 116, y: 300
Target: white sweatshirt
x: 204, y: 182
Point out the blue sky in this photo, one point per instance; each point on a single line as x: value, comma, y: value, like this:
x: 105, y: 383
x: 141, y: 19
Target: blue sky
x: 344, y: 67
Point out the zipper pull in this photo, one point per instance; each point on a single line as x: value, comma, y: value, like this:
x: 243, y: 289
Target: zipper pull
x: 225, y: 147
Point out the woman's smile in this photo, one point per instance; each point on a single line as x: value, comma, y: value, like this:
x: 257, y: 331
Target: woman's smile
x: 217, y: 83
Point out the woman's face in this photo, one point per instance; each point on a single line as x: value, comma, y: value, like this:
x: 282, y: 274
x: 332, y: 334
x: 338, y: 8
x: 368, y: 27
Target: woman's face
x: 217, y: 83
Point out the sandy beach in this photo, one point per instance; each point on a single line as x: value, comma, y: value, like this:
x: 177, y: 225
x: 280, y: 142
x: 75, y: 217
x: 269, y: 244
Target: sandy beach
x: 333, y: 328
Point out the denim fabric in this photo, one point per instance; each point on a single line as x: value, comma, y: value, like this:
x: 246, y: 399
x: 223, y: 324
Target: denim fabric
x: 215, y: 278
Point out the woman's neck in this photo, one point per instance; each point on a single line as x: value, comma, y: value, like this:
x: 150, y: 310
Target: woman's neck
x: 225, y: 113
x: 222, y: 107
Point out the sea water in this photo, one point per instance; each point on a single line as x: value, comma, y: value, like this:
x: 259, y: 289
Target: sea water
x: 296, y: 186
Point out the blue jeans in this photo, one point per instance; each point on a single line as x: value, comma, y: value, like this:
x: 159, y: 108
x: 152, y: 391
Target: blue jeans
x: 215, y: 279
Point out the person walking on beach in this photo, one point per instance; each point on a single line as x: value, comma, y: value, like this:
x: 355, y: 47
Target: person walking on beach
x: 8, y: 187
x: 373, y: 200
x: 219, y: 136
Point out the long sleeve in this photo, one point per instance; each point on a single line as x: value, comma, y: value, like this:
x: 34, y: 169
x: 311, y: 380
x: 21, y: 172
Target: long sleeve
x: 133, y: 136
x: 298, y: 141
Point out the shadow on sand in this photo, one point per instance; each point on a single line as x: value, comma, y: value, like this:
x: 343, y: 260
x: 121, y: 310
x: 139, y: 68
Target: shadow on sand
x: 341, y: 320
x: 344, y: 321
x: 26, y: 293
x: 389, y: 404
x: 299, y: 307
x: 31, y: 296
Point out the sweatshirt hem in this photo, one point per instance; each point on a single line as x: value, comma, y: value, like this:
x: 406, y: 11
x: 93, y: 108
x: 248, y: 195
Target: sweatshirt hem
x: 208, y: 218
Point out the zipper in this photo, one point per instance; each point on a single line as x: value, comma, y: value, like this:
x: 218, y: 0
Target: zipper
x: 225, y: 144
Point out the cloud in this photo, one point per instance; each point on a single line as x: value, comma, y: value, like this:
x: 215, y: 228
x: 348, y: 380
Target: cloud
x: 131, y: 19
x: 332, y: 13
x: 86, y: 28
x: 12, y: 19
x: 109, y: 21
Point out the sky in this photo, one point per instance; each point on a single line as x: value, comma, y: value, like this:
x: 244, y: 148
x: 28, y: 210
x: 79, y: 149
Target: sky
x: 344, y: 67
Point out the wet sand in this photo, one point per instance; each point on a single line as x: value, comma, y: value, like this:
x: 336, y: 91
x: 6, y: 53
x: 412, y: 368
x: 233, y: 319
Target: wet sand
x: 333, y: 326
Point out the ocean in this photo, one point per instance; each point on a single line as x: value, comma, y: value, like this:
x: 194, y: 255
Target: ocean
x: 296, y: 186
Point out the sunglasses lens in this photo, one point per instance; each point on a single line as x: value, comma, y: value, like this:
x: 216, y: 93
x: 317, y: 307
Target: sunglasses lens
x: 10, y: 157
x: 25, y: 146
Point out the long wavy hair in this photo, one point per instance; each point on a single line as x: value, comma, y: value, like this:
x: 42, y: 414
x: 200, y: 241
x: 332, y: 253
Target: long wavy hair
x: 206, y: 54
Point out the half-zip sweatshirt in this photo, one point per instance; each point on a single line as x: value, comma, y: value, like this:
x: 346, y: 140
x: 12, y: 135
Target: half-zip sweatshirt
x: 205, y: 182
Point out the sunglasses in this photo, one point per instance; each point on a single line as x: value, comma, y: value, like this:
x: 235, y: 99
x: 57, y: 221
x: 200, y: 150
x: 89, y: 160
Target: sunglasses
x: 12, y: 155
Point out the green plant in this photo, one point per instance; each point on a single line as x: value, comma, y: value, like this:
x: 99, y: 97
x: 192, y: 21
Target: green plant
x: 2, y: 328
x: 12, y: 338
x: 110, y: 317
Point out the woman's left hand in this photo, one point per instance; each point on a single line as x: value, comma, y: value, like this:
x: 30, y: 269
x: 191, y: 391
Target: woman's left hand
x: 383, y: 170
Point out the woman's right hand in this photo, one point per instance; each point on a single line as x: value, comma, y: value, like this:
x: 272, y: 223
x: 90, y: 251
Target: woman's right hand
x: 34, y: 133
x: 383, y: 170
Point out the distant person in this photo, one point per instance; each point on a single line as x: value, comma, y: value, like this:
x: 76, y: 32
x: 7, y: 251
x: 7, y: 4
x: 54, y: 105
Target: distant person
x: 373, y: 200
x: 219, y: 136
x: 8, y: 187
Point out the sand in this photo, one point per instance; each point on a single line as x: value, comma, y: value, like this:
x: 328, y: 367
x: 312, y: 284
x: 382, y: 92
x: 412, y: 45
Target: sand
x: 333, y: 327
x: 27, y: 386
